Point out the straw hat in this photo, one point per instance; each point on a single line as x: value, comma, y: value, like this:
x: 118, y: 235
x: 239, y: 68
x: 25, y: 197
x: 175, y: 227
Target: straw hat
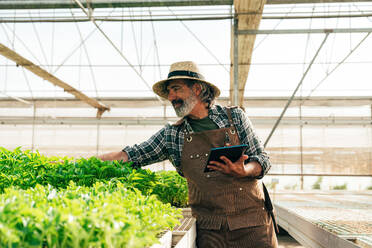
x: 182, y: 70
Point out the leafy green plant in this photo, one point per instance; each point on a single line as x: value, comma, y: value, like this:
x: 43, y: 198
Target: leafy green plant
x: 172, y: 188
x: 25, y: 169
x: 317, y: 183
x: 104, y: 215
x: 340, y: 187
x: 291, y: 186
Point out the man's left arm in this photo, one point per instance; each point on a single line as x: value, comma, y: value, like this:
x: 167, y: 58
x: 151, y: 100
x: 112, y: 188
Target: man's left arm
x: 255, y: 162
x: 258, y: 163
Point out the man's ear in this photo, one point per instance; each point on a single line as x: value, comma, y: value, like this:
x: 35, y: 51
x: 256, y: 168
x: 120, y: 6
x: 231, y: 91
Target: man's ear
x: 197, y: 89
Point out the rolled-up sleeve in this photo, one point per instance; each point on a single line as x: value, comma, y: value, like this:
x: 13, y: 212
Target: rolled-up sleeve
x: 255, y: 149
x: 151, y: 151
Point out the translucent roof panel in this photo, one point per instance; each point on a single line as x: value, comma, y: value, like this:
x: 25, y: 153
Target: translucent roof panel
x: 126, y: 53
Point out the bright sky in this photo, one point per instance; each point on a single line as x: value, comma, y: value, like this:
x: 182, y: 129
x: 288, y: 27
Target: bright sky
x: 98, y: 69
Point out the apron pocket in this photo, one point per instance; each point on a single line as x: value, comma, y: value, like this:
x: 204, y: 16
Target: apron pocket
x: 255, y: 217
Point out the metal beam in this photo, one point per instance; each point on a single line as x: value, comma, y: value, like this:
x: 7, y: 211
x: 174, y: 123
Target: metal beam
x: 10, y: 54
x: 143, y: 102
x: 295, y: 91
x: 306, y: 31
x: 58, y: 4
x: 34, y: 4
x: 161, y: 120
x: 157, y: 19
x: 163, y: 18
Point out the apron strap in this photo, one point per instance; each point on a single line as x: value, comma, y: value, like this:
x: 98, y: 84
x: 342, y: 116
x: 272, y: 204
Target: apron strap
x: 228, y: 111
x: 269, y: 207
x: 186, y: 127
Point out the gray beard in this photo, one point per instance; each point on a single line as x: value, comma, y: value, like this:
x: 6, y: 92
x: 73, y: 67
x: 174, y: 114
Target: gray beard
x: 186, y: 107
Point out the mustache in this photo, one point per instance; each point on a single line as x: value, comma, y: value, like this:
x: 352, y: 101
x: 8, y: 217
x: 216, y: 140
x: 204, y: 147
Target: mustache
x: 174, y: 102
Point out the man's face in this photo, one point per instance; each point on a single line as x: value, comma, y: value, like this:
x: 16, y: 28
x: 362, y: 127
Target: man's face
x: 182, y: 97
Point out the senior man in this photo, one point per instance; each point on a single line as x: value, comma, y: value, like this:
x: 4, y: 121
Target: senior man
x: 228, y: 202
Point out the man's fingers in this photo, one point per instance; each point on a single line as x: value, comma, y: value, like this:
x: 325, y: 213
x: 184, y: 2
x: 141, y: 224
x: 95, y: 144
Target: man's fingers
x: 215, y: 165
x: 243, y: 158
x: 226, y: 160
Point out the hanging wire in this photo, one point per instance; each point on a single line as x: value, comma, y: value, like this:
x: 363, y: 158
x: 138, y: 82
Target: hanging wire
x: 80, y: 67
x: 307, y: 41
x: 276, y: 25
x: 350, y: 35
x: 332, y: 46
x: 6, y: 69
x: 18, y: 39
x: 117, y: 49
x: 87, y: 57
x: 340, y: 63
x: 141, y: 44
x: 156, y: 45
x: 29, y: 88
x: 362, y: 11
x: 150, y: 49
x: 135, y: 43
x: 23, y: 71
x: 78, y: 46
x: 39, y: 41
x: 295, y: 91
x: 28, y: 83
x: 52, y: 46
x: 301, y: 100
x: 201, y: 43
x: 122, y: 32
x: 325, y: 25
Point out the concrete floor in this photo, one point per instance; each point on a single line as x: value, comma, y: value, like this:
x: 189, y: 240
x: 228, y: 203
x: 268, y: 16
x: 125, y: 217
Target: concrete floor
x: 286, y: 241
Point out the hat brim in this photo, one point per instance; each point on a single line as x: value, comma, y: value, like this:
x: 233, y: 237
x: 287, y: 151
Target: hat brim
x: 159, y: 88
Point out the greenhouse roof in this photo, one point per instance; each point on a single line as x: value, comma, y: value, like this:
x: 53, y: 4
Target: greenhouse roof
x: 131, y: 48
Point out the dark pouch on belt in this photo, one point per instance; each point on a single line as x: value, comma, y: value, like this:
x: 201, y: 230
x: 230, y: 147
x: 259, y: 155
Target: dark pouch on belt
x: 269, y: 207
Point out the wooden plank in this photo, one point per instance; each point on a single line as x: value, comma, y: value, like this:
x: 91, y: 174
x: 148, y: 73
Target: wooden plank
x: 55, y: 4
x: 21, y: 61
x: 245, y: 43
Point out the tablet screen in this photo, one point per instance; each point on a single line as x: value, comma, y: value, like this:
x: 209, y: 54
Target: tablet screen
x: 231, y: 152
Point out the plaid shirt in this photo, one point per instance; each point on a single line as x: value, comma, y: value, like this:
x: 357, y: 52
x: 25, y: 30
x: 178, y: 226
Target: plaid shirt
x: 167, y: 143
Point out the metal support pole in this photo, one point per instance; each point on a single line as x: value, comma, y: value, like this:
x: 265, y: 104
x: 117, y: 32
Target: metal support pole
x: 301, y: 149
x: 164, y: 112
x: 236, y: 63
x: 33, y: 127
x: 98, y: 137
x: 295, y: 91
x: 370, y: 156
x: 306, y: 31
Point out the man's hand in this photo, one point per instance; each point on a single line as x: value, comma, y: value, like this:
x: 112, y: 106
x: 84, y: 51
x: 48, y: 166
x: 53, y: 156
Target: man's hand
x: 237, y: 169
x: 114, y: 156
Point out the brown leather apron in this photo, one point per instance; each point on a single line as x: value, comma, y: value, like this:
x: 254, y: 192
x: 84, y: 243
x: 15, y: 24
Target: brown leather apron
x: 221, y: 201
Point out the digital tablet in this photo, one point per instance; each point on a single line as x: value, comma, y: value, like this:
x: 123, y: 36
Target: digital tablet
x: 231, y: 152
